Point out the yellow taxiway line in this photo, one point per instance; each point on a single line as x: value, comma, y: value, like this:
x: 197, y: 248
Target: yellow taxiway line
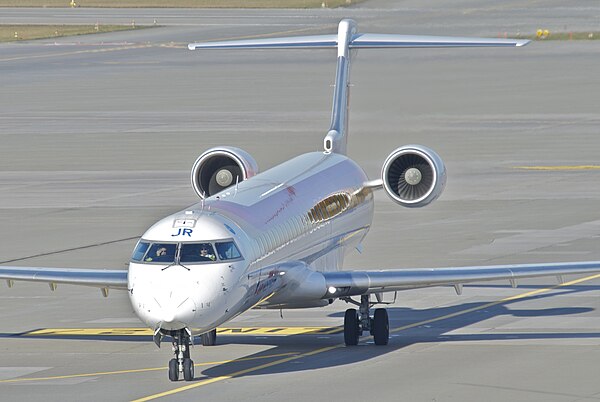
x: 282, y: 357
x: 495, y: 303
x: 236, y: 374
x: 61, y: 54
x: 263, y: 331
x: 103, y: 373
x: 326, y: 349
x: 145, y: 45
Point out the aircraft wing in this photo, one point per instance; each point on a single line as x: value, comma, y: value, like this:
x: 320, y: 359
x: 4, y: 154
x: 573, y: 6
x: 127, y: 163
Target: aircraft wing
x: 353, y: 283
x: 101, y: 278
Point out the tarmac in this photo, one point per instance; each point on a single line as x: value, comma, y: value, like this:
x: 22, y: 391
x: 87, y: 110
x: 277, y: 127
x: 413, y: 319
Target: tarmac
x: 99, y: 133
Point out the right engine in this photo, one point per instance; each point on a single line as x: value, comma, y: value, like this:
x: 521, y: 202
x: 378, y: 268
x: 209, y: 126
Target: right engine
x: 413, y: 176
x: 219, y: 168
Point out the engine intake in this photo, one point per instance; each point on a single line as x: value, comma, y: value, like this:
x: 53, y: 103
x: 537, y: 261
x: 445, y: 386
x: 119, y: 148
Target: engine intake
x: 413, y: 176
x: 219, y: 168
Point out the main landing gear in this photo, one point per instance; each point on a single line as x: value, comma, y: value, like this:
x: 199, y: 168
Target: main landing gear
x: 209, y: 338
x: 181, y: 363
x: 355, y: 322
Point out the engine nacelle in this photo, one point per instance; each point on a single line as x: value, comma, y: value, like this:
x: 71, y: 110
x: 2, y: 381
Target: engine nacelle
x: 413, y: 176
x: 219, y: 168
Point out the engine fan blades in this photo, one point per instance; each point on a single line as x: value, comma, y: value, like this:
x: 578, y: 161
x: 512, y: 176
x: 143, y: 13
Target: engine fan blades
x: 224, y: 177
x: 411, y: 176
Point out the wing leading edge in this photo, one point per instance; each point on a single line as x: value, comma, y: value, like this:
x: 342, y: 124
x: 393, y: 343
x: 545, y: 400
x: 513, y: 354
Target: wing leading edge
x: 354, y: 283
x: 101, y: 278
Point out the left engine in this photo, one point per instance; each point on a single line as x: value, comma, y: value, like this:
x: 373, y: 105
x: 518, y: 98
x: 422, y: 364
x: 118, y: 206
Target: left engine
x: 413, y: 176
x: 219, y: 168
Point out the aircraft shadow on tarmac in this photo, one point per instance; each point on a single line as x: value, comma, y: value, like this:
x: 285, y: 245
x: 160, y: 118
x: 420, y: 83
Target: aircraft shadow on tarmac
x: 436, y: 331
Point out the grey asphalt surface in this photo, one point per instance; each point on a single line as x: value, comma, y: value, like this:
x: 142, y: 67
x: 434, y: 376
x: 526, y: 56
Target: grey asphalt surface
x: 98, y: 134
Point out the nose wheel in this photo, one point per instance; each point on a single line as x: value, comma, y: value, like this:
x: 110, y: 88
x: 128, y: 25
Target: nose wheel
x: 181, y: 364
x: 357, y: 321
x: 173, y: 370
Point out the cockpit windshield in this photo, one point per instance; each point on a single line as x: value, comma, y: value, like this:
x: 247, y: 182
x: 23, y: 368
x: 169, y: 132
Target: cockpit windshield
x: 197, y: 252
x: 185, y: 253
x: 161, y: 252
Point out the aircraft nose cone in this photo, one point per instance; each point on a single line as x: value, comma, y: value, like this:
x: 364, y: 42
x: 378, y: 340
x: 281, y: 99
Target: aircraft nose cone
x: 177, y: 315
x: 168, y: 316
x: 174, y: 306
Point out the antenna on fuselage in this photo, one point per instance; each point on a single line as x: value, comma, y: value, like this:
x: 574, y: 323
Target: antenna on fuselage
x: 347, y: 39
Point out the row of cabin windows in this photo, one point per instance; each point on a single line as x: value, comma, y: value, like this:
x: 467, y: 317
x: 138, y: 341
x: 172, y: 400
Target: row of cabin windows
x: 281, y: 234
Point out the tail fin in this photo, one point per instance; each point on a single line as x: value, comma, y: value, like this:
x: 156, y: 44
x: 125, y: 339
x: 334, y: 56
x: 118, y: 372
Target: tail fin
x: 347, y: 39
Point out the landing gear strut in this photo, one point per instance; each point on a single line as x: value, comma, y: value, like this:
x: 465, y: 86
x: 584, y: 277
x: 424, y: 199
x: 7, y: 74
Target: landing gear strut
x: 181, y: 363
x: 355, y: 322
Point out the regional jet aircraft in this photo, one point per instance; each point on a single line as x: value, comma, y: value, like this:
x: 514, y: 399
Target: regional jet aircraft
x: 277, y: 239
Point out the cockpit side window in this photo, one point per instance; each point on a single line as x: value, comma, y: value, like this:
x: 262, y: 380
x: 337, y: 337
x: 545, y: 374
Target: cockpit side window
x: 161, y: 252
x: 140, y: 250
x: 227, y: 250
x: 197, y: 252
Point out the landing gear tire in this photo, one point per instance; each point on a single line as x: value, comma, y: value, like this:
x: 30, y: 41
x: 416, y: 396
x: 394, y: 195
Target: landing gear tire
x: 188, y: 369
x: 181, y: 363
x: 173, y: 370
x: 381, y: 327
x: 351, y: 327
x: 209, y: 338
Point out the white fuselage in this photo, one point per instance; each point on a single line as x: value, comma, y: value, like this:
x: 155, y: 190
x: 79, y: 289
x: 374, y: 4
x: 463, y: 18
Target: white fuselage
x: 297, y: 218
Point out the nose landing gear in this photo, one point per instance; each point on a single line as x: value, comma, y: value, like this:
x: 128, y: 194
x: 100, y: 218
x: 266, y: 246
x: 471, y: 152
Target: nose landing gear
x: 355, y: 322
x: 181, y: 363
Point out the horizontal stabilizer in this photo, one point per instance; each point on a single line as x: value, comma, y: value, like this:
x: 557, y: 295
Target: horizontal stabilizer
x: 347, y: 39
x: 301, y: 42
x: 358, y: 41
x: 369, y: 40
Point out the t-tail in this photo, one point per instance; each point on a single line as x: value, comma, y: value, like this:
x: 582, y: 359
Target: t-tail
x: 347, y: 39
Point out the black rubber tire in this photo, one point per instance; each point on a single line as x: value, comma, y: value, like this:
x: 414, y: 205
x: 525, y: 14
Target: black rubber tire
x: 209, y: 338
x: 173, y: 370
x: 188, y: 369
x: 351, y: 327
x: 381, y: 327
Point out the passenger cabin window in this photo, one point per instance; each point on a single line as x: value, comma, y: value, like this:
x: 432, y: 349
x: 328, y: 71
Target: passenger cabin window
x: 197, y: 252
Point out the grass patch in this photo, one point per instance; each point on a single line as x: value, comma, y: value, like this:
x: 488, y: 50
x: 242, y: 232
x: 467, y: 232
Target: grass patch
x: 29, y: 32
x: 181, y: 3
